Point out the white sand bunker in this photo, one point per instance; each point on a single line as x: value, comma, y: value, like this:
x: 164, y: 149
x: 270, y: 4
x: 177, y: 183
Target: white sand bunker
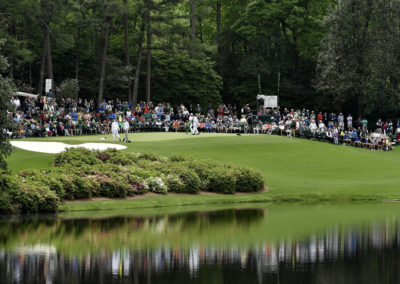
x: 58, y: 147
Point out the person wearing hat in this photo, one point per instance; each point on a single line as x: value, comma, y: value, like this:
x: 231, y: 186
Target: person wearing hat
x: 125, y: 126
x: 293, y: 125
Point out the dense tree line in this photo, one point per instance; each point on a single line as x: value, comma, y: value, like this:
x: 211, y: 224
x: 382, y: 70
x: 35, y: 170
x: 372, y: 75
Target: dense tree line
x: 330, y: 54
x: 359, y: 62
x: 6, y: 89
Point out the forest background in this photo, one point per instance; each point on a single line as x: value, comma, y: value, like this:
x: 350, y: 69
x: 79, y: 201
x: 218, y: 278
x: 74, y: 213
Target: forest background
x: 330, y: 55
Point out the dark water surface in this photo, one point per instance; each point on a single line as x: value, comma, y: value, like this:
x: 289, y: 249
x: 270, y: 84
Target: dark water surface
x: 262, y: 244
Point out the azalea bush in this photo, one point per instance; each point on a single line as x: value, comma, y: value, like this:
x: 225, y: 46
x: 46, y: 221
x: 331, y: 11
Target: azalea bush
x: 248, y: 180
x: 156, y: 185
x: 221, y: 180
x: 82, y: 174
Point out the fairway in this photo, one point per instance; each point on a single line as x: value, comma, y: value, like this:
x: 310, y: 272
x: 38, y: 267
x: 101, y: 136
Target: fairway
x: 294, y: 169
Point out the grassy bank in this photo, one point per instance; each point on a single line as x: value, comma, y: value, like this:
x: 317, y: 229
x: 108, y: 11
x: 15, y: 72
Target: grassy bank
x: 294, y: 169
x: 81, y: 233
x: 217, y: 199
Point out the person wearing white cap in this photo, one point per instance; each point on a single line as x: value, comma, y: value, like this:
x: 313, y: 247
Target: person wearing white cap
x: 126, y: 130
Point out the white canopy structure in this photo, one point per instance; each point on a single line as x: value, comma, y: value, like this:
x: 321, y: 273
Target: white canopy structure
x: 22, y: 94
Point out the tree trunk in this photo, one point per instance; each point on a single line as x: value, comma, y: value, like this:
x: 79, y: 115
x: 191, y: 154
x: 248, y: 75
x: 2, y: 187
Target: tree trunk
x: 201, y: 30
x: 42, y: 66
x: 127, y: 48
x: 138, y: 64
x: 103, y: 62
x: 78, y: 55
x: 193, y: 25
x: 362, y: 46
x: 50, y: 74
x: 219, y: 64
x: 13, y: 31
x: 339, y: 4
x: 30, y: 74
x: 148, y: 68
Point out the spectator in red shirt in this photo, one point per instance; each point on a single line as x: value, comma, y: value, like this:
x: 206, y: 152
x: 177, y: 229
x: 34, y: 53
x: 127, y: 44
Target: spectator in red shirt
x: 320, y: 117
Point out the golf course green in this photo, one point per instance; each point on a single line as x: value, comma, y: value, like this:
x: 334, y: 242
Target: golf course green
x: 294, y: 169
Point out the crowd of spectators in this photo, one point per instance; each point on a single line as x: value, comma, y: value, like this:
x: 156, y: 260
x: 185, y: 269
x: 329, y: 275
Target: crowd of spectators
x: 332, y: 127
x: 46, y: 116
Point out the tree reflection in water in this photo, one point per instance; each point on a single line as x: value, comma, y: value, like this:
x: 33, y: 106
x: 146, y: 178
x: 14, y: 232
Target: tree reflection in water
x: 180, y: 248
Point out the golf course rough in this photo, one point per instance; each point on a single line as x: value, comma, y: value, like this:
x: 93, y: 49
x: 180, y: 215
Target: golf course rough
x: 293, y: 169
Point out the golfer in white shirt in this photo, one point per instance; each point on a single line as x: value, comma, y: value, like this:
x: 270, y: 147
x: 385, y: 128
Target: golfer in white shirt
x: 126, y: 130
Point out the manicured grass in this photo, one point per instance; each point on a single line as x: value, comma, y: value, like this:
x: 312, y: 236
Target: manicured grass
x: 294, y: 169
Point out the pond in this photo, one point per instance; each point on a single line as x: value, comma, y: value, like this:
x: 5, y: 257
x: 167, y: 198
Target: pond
x: 263, y: 243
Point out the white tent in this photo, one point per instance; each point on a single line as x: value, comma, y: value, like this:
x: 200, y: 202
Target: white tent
x: 22, y: 94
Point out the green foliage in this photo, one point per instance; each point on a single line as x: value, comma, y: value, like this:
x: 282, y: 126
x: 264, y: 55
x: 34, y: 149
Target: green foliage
x: 358, y: 62
x: 82, y: 187
x: 5, y: 202
x: 151, y: 157
x: 45, y: 179
x: 182, y: 78
x: 8, y: 181
x: 250, y: 38
x: 7, y: 89
x: 32, y: 197
x: 177, y: 158
x: 202, y: 169
x: 267, y: 37
x: 69, y: 88
x: 115, y: 157
x: 221, y: 180
x: 115, y: 174
x: 156, y: 185
x: 112, y: 181
x: 174, y: 183
x: 8, y: 185
x: 248, y: 180
x: 74, y: 186
x: 188, y: 177
x: 137, y: 183
x: 76, y: 157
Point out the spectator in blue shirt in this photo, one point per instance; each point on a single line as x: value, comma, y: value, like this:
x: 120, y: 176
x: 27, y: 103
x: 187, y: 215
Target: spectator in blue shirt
x: 112, y: 116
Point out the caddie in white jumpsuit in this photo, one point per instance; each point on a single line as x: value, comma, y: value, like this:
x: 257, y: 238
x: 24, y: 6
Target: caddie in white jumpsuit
x: 115, y: 130
x: 194, y: 125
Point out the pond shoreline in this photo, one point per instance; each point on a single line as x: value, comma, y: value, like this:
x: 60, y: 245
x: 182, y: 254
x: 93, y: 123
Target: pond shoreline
x: 152, y: 200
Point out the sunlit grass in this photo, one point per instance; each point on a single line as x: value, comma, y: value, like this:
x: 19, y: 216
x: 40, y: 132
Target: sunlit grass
x: 294, y: 169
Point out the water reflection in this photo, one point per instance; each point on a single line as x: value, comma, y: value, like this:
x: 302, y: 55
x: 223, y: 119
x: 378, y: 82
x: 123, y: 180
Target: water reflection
x: 180, y: 248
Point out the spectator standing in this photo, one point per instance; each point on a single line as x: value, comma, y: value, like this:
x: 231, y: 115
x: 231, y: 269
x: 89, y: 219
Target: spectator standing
x: 293, y: 125
x: 341, y: 120
x: 198, y: 109
x: 319, y: 116
x: 364, y: 123
x: 349, y: 122
x: 313, y: 127
x: 379, y: 125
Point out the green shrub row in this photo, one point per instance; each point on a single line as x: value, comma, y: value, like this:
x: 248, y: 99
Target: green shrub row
x: 26, y: 194
x: 82, y: 174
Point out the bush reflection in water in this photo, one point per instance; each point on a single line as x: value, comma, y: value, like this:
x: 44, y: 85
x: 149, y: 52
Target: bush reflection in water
x: 200, y: 247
